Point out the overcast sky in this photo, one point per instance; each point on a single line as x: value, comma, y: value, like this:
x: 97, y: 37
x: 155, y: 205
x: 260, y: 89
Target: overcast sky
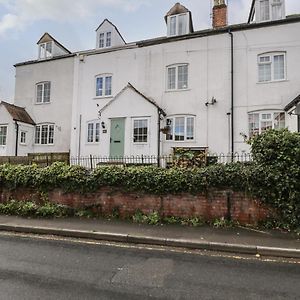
x: 73, y: 23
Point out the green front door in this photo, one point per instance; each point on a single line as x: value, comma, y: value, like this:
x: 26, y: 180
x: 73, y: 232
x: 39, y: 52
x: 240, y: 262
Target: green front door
x: 117, y: 133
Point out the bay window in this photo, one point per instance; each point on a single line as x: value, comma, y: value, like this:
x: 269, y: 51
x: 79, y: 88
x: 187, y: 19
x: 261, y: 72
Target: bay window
x: 259, y: 122
x: 181, y: 128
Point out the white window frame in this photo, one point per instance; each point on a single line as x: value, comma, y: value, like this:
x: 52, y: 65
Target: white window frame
x: 43, y: 53
x: 103, y: 43
x: 271, y: 4
x: 271, y: 55
x: 176, y: 67
x: 95, y: 138
x: 172, y: 128
x: 261, y: 120
x: 23, y: 137
x: 176, y: 18
x: 104, y: 82
x: 3, y: 135
x: 38, y: 141
x: 42, y: 84
x: 148, y: 130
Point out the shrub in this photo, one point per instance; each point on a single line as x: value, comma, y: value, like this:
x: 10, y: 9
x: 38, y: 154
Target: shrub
x: 276, y: 173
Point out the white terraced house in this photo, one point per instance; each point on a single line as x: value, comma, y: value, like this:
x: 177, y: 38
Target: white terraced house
x: 191, y: 89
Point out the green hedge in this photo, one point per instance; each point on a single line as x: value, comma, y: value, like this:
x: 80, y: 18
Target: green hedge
x: 141, y: 179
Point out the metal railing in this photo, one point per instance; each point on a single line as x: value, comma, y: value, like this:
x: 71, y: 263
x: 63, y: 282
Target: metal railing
x: 93, y: 161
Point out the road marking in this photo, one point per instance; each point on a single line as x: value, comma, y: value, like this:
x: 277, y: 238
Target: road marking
x: 150, y: 248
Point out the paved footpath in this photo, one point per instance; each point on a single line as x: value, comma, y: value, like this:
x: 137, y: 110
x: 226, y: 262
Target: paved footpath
x: 236, y: 240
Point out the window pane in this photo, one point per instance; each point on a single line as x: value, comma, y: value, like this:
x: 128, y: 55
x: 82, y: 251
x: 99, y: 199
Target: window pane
x: 99, y: 86
x: 279, y: 120
x: 264, y: 10
x: 278, y: 67
x: 264, y: 72
x: 108, y: 39
x: 90, y: 133
x: 51, y: 134
x: 37, y: 134
x: 182, y: 77
x: 108, y: 80
x: 253, y: 124
x: 49, y: 49
x: 47, y: 87
x: 23, y: 137
x: 276, y: 10
x: 172, y: 25
x: 182, y: 20
x: 97, y: 133
x: 3, y: 135
x: 179, y: 129
x: 44, y: 138
x: 42, y: 51
x: 190, y: 128
x: 39, y: 93
x: 171, y: 78
x: 101, y: 40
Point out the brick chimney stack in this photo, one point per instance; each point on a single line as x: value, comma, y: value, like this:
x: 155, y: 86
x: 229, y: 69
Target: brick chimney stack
x: 219, y: 14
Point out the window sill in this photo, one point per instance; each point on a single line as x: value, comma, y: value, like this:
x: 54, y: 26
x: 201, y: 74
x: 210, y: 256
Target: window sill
x: 103, y: 97
x: 92, y: 143
x: 43, y: 145
x: 42, y: 103
x: 177, y: 90
x: 180, y: 142
x: 273, y: 81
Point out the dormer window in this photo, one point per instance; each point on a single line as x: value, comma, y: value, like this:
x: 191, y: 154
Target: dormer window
x: 105, y: 39
x: 179, y: 20
x: 270, y: 10
x: 45, y: 50
x: 178, y: 24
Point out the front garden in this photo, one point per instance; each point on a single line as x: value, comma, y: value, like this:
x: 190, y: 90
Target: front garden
x: 273, y: 177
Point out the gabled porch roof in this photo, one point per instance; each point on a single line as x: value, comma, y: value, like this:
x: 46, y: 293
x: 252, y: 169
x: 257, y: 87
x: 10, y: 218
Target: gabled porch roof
x: 130, y: 86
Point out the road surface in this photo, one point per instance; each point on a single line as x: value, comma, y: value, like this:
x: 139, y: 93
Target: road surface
x: 39, y: 268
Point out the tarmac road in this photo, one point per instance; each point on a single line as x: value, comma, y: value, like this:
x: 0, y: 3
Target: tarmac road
x: 33, y: 268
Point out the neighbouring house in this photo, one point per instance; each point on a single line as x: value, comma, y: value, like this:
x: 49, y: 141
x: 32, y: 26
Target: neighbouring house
x: 16, y: 130
x: 205, y: 89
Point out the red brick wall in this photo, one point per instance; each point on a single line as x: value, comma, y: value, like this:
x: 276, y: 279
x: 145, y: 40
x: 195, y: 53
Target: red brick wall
x: 220, y: 16
x: 209, y: 206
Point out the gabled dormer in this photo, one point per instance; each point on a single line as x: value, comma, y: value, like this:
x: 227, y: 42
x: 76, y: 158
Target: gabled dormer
x: 108, y: 35
x: 267, y: 10
x: 49, y: 47
x: 179, y: 20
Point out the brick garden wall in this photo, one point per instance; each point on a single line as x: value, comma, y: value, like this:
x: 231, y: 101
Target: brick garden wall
x: 210, y: 206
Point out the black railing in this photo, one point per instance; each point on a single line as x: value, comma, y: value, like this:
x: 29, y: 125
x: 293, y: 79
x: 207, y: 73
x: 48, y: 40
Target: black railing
x: 93, y: 161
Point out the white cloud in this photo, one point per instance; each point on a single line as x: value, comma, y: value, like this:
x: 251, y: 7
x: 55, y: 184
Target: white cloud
x: 24, y: 12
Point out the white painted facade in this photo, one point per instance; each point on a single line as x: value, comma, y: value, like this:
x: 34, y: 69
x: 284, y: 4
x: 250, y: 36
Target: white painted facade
x: 89, y: 91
